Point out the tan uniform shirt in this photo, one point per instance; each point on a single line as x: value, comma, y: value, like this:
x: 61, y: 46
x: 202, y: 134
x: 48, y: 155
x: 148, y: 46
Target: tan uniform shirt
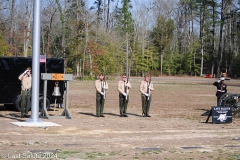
x: 121, y: 87
x: 26, y: 81
x: 144, y: 87
x: 99, y: 84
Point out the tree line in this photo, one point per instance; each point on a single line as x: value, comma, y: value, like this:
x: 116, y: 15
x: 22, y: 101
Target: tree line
x: 160, y: 37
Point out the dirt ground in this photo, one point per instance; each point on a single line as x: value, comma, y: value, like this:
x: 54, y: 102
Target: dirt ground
x: 175, y: 131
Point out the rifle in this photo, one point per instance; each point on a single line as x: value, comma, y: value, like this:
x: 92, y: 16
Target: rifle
x: 126, y: 89
x: 103, y: 86
x: 148, y: 90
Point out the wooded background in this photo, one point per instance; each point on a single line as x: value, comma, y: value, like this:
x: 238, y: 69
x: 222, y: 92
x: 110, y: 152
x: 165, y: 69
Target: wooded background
x: 161, y: 37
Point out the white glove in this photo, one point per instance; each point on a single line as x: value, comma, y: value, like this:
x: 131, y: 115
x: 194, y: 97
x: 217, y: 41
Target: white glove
x: 25, y: 72
x: 146, y: 94
x: 127, y: 84
x: 125, y: 94
x: 102, y: 93
x: 219, y: 81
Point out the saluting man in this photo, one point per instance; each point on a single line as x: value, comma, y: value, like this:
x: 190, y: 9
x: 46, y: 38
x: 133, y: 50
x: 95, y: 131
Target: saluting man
x: 221, y: 88
x: 101, y: 85
x: 123, y: 88
x: 146, y: 87
x: 26, y: 79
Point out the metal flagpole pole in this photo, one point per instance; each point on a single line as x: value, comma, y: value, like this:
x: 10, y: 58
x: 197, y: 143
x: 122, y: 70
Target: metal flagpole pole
x: 35, y: 63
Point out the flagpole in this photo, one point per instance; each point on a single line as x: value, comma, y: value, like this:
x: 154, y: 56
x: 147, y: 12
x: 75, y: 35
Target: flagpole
x: 35, y: 64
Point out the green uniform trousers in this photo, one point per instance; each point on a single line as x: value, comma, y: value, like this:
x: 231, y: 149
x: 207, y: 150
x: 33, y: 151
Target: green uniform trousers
x: 123, y: 102
x: 146, y: 104
x: 99, y: 104
x: 25, y: 102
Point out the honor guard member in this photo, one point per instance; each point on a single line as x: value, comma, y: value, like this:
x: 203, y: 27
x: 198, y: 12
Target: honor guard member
x: 146, y: 87
x: 101, y: 85
x: 123, y: 88
x: 221, y: 89
x: 26, y: 79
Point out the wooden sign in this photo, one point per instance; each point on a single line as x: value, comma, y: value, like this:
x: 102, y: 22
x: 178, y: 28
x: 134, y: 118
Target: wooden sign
x: 56, y: 76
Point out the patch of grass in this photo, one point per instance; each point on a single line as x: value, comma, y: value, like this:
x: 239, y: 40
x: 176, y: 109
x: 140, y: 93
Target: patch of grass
x: 69, y: 152
x: 36, y: 142
x: 12, y: 144
x: 233, y: 156
x: 112, y: 153
x: 173, y: 151
x: 66, y: 154
x: 135, y: 157
x: 58, y: 150
x: 25, y: 143
x: 101, y: 154
x: 94, y: 155
x: 157, y: 152
x: 63, y: 156
x: 220, y: 150
x: 210, y: 156
x: 151, y: 152
x: 143, y: 153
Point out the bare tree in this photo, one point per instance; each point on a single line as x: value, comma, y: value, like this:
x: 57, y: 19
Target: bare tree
x: 223, y: 12
x: 11, y: 35
x: 27, y: 26
x: 49, y: 16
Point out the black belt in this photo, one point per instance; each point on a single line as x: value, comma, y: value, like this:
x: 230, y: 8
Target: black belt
x: 27, y: 90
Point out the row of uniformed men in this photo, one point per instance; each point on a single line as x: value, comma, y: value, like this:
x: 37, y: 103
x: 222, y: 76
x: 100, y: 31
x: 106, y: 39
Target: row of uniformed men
x: 101, y: 85
x: 124, y: 85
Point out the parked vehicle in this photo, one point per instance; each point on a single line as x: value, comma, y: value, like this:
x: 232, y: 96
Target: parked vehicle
x: 10, y: 85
